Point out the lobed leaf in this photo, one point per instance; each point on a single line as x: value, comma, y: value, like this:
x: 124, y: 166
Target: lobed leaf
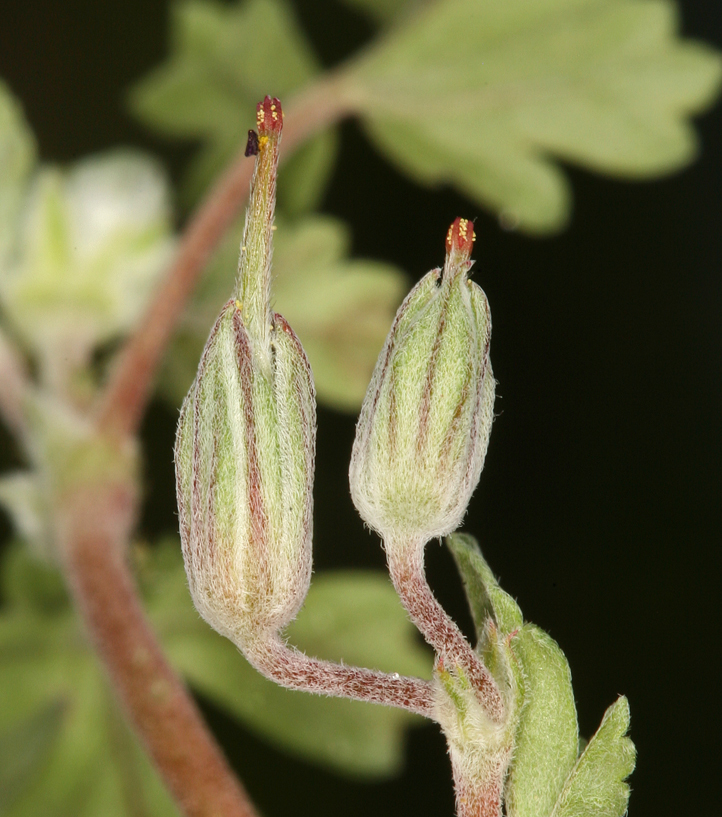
x: 487, y: 95
x: 596, y: 786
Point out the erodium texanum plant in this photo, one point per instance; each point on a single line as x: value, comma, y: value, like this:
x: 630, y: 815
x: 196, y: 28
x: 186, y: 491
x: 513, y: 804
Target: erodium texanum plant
x: 244, y: 466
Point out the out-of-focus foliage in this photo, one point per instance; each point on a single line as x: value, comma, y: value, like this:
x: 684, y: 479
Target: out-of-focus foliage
x: 223, y: 60
x: 92, y: 244
x: 80, y: 250
x: 67, y: 748
x: 481, y: 95
x: 17, y: 157
x: 384, y: 11
x: 340, y: 308
x: 484, y: 95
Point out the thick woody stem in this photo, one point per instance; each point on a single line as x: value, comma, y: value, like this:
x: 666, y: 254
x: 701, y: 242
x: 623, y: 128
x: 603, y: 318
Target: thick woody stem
x: 93, y: 525
x: 123, y: 401
x: 294, y: 670
x: 406, y: 567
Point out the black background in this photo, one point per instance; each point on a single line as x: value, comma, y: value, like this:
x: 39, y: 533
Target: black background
x: 599, y: 506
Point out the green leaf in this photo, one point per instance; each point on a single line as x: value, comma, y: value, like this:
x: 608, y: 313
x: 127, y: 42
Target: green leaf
x: 355, y: 617
x: 596, y: 786
x: 93, y: 243
x: 547, y: 737
x: 341, y: 309
x: 486, y: 95
x: 17, y: 159
x: 30, y: 583
x: 23, y: 748
x: 486, y: 599
x: 224, y: 59
x: 73, y: 753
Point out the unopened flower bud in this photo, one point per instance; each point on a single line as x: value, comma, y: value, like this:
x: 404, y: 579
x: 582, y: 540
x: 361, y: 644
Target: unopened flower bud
x: 246, y: 440
x: 424, y: 426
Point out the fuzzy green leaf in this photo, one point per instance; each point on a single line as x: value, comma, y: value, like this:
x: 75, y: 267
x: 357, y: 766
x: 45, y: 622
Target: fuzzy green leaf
x: 596, y: 786
x: 341, y: 309
x: 547, y: 737
x: 224, y: 59
x: 486, y: 599
x: 355, y: 617
x: 487, y: 95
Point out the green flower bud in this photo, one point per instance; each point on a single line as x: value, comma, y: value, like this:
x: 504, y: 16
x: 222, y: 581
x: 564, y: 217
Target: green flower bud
x: 246, y: 441
x: 424, y: 426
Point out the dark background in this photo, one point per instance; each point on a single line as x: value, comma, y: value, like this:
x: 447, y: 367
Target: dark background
x: 599, y: 506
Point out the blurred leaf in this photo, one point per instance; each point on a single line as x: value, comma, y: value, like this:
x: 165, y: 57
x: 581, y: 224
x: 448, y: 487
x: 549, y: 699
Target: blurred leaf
x: 596, y: 786
x: 22, y: 498
x: 30, y: 583
x: 224, y: 59
x: 17, y: 157
x: 355, y: 617
x: 303, y: 179
x: 485, y: 95
x: 382, y: 11
x: 23, y: 748
x: 94, y: 240
x: 341, y: 309
x: 76, y: 756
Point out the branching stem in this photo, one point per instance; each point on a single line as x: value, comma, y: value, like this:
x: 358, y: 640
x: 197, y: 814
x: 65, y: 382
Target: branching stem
x: 406, y: 566
x: 294, y: 670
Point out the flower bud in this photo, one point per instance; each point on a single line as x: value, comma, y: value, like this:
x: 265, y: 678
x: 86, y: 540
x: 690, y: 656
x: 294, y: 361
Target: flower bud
x: 245, y: 444
x: 425, y: 422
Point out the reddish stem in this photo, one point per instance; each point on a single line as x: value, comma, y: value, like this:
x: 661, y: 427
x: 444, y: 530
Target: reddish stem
x: 295, y: 670
x: 406, y: 566
x: 474, y: 799
x: 93, y: 524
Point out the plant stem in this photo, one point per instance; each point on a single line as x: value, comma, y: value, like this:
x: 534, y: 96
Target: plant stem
x: 94, y: 522
x: 293, y: 669
x: 477, y: 799
x: 124, y: 398
x: 406, y: 567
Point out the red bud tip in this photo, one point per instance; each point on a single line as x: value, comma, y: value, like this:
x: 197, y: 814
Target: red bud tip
x: 461, y: 236
x: 269, y: 117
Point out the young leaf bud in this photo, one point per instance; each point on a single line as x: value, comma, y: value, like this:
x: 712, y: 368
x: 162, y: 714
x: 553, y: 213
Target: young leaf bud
x: 245, y: 444
x: 424, y: 426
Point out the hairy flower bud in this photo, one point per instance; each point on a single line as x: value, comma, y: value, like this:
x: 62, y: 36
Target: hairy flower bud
x: 246, y: 441
x: 424, y: 426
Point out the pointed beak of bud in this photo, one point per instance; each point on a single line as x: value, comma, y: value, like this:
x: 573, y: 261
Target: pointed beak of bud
x: 424, y: 427
x: 245, y: 444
